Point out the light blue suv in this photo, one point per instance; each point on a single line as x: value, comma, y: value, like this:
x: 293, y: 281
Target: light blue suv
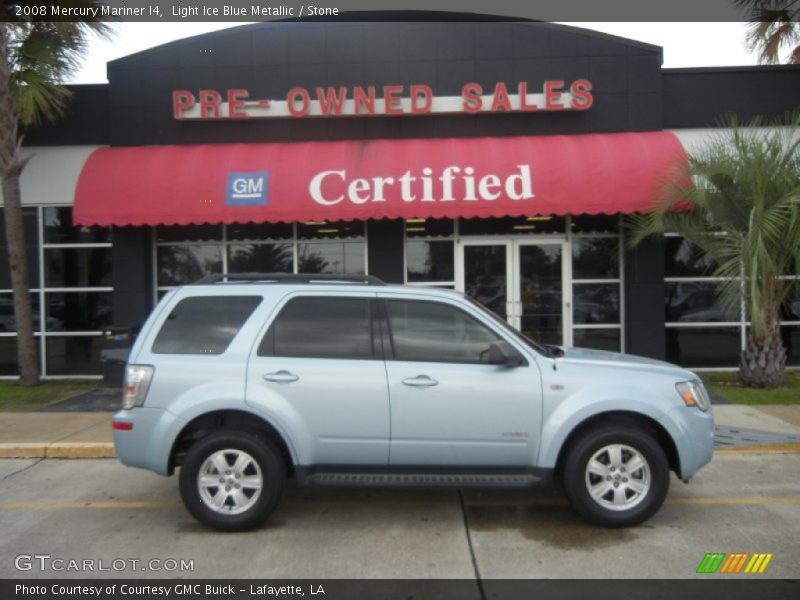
x: 246, y: 380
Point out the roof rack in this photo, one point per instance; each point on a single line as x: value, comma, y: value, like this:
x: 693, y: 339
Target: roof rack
x: 288, y: 278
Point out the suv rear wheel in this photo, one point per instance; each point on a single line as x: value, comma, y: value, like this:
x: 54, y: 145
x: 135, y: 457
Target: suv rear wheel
x: 232, y: 480
x: 616, y: 476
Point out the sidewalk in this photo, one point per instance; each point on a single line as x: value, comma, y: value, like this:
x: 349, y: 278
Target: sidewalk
x: 740, y: 428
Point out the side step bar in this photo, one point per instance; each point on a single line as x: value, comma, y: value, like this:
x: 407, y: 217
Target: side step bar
x: 331, y: 476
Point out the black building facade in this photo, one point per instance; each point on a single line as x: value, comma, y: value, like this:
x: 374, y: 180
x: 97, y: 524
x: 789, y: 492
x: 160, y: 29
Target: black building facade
x: 564, y: 278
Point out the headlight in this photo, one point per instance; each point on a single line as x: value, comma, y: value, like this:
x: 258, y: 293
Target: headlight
x: 137, y: 381
x: 693, y: 393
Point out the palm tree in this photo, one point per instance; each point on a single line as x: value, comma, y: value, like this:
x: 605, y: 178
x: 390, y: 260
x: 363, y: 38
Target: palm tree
x: 35, y: 58
x: 745, y: 191
x: 773, y: 27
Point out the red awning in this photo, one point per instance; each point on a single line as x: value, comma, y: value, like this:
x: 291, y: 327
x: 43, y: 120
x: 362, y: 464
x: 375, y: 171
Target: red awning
x: 374, y: 179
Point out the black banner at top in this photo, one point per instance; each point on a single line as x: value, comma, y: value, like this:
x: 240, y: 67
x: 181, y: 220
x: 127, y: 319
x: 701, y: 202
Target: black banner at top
x: 401, y: 589
x: 393, y: 10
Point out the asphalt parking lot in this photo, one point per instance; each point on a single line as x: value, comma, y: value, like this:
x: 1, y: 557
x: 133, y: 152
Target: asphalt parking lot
x: 78, y: 509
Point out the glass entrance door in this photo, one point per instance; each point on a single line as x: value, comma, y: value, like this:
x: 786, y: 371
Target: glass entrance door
x: 540, y: 304
x: 487, y: 276
x: 522, y: 281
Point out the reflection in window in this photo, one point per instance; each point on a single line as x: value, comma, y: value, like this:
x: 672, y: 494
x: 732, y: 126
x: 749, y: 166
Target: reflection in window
x: 595, y: 258
x: 703, y: 346
x: 58, y: 228
x: 598, y: 339
x: 77, y: 267
x: 74, y: 355
x: 429, y: 261
x: 179, y: 265
x: 204, y: 324
x: 331, y: 257
x: 78, y: 311
x: 684, y: 259
x: 596, y: 303
x: 435, y: 332
x: 696, y: 302
x: 260, y: 258
x: 321, y: 328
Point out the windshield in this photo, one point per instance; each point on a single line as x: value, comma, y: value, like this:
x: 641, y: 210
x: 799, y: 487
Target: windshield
x: 540, y: 348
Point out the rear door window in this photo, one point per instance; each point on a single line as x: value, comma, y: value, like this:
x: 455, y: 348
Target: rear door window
x: 204, y: 324
x: 316, y: 327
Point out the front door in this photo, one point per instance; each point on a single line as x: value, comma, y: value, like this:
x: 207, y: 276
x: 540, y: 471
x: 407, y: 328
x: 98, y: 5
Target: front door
x: 523, y: 281
x: 449, y: 406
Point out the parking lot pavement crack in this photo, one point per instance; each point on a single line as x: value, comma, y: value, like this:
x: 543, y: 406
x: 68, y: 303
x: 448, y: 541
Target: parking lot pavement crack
x: 23, y: 469
x: 99, y: 421
x: 475, y: 568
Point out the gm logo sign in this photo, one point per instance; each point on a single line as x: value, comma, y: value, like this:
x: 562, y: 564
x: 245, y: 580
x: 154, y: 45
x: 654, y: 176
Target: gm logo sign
x: 247, y: 188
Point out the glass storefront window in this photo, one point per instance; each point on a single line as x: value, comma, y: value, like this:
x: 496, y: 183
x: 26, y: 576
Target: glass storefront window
x: 595, y: 303
x: 429, y: 261
x: 8, y: 322
x: 331, y: 257
x: 31, y: 231
x: 260, y: 258
x: 78, y: 311
x: 599, y: 339
x: 73, y: 355
x: 791, y: 341
x: 179, y: 265
x: 77, y: 267
x: 695, y: 302
x: 704, y: 346
x: 58, y: 228
x: 684, y: 259
x: 595, y: 258
x: 9, y: 365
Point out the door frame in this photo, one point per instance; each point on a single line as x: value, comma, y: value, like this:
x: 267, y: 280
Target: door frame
x: 513, y: 284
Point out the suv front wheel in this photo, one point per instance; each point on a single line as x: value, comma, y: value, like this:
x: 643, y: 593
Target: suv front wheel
x: 616, y: 476
x: 232, y: 480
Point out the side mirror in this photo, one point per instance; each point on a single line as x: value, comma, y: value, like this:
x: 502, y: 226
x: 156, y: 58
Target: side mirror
x: 503, y: 353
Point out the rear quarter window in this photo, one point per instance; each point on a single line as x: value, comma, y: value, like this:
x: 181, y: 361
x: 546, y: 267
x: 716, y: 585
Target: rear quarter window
x: 204, y: 324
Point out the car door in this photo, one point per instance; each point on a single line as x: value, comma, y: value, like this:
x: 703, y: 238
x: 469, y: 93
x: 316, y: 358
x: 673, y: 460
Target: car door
x: 318, y: 370
x: 449, y: 406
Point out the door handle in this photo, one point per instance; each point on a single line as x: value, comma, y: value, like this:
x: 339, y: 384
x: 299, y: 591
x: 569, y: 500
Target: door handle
x: 281, y: 377
x: 420, y: 381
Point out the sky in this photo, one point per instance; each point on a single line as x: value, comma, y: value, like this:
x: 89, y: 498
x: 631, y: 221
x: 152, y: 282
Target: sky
x: 685, y: 44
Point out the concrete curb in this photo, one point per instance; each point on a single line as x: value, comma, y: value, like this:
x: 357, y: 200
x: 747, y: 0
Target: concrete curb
x: 106, y: 450
x: 58, y: 450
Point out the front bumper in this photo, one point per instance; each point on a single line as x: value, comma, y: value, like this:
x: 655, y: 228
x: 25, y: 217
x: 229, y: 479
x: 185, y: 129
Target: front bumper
x: 148, y: 444
x: 692, y: 430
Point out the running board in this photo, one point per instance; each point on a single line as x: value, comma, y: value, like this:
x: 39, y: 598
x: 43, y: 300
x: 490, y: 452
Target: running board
x: 407, y: 478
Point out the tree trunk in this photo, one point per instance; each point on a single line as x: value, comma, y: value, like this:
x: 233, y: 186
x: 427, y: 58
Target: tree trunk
x: 27, y: 355
x: 763, y: 362
x: 11, y: 166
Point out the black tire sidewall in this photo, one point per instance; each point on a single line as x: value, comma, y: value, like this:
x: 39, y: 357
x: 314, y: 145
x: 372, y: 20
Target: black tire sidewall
x: 267, y: 456
x: 575, y: 468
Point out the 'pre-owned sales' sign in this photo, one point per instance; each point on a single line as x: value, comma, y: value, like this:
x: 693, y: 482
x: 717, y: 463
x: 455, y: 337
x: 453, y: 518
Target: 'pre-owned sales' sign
x: 389, y: 100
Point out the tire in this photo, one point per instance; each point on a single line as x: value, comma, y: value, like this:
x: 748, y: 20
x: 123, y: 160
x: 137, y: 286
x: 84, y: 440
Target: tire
x: 604, y: 456
x: 225, y: 460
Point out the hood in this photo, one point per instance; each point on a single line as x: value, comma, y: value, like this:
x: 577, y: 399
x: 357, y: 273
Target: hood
x: 618, y: 359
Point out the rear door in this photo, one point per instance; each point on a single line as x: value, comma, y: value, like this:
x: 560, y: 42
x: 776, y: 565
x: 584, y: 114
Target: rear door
x: 318, y: 370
